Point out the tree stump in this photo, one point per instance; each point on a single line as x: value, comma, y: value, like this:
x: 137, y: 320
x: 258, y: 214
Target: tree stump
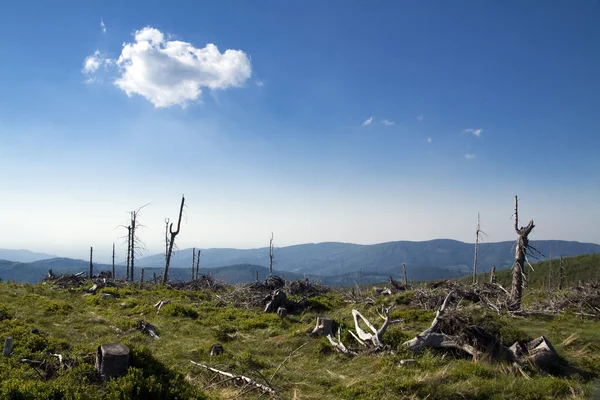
x: 541, y: 352
x: 112, y: 360
x: 276, y: 300
x: 216, y: 350
x: 282, y: 312
x: 323, y: 327
x: 8, y: 346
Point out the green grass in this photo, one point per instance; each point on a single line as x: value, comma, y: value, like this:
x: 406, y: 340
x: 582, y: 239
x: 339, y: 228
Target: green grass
x: 75, y: 324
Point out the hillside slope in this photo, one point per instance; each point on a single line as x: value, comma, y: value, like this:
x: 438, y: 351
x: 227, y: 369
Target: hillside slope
x: 584, y: 268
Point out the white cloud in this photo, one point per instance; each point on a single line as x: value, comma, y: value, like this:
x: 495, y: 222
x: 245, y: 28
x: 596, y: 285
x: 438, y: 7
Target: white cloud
x: 387, y: 122
x: 102, y: 26
x: 368, y: 122
x: 469, y: 156
x: 420, y: 117
x: 429, y: 140
x: 92, y: 63
x: 171, y: 72
x: 475, y: 132
x: 260, y: 83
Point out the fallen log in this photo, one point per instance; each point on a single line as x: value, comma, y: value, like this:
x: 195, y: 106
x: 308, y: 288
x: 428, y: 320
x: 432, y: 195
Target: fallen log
x: 160, y: 304
x: 244, y: 379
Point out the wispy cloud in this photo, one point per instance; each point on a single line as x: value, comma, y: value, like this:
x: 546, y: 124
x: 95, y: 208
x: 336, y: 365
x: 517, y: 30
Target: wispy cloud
x: 429, y: 140
x: 102, y: 26
x: 420, y: 117
x: 475, y: 132
x: 469, y: 156
x: 368, y: 121
x: 171, y: 72
x: 92, y: 63
x: 387, y: 122
x: 260, y: 83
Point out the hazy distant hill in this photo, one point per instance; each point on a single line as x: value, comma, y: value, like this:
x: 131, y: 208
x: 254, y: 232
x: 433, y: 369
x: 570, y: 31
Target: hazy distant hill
x: 23, y: 256
x: 334, y: 258
x: 34, y: 272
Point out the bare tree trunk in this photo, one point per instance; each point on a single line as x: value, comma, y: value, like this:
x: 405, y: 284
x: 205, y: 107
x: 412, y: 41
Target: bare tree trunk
x: 256, y: 276
x: 271, y: 256
x: 477, y: 233
x: 561, y: 275
x: 493, y: 275
x: 128, y: 251
x: 113, y: 262
x: 193, y: 263
x: 516, y: 292
x: 198, y: 263
x: 405, y: 277
x: 154, y: 277
x: 166, y: 237
x: 132, y: 270
x: 142, y: 278
x: 172, y: 242
x: 91, y: 263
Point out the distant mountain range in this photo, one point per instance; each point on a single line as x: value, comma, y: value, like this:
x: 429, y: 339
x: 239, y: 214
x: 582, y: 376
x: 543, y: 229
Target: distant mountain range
x: 333, y: 258
x: 24, y: 256
x: 332, y: 263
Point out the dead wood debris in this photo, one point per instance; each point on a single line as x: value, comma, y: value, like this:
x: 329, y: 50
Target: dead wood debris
x: 239, y: 380
x: 147, y: 328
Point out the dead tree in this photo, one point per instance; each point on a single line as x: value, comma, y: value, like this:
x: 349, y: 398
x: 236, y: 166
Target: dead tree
x: 404, y: 272
x: 172, y: 242
x: 113, y: 261
x: 134, y: 244
x: 91, y: 263
x: 131, y: 267
x: 166, y: 237
x: 128, y: 251
x: 271, y: 256
x: 561, y: 274
x: 193, y: 263
x: 198, y: 264
x: 493, y: 275
x: 523, y: 232
x: 478, y: 233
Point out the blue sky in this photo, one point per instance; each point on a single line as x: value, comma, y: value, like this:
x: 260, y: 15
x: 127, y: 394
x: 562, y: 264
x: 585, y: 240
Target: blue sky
x: 470, y: 103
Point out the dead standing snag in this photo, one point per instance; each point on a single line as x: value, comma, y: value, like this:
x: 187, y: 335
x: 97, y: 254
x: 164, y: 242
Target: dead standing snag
x: 516, y: 291
x: 172, y: 242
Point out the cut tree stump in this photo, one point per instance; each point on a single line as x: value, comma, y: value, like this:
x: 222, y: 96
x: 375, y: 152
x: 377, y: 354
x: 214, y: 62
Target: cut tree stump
x: 112, y: 360
x: 324, y: 327
x: 216, y: 349
x: 541, y: 352
x: 8, y: 346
